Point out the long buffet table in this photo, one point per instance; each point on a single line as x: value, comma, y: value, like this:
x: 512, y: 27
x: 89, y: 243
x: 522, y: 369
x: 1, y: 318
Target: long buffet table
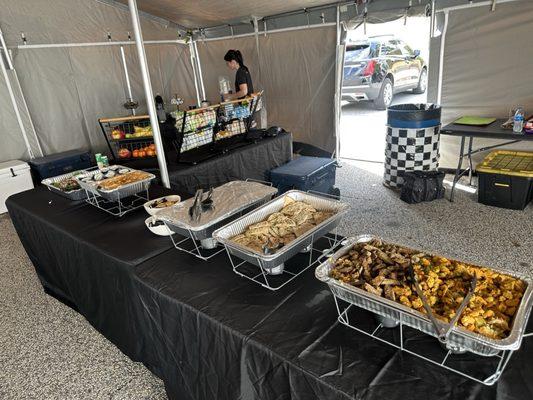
x: 212, y: 335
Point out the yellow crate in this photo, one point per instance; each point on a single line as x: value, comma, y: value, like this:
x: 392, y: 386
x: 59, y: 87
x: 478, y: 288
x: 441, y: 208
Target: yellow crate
x: 505, y: 162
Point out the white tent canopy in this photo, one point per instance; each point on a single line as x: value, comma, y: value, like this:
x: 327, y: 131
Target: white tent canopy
x: 67, y: 56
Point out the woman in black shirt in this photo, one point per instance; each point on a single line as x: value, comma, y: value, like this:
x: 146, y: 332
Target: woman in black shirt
x: 243, y: 80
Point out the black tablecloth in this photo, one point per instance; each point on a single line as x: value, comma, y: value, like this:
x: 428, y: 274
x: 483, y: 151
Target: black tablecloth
x: 212, y: 335
x: 80, y: 254
x: 253, y: 161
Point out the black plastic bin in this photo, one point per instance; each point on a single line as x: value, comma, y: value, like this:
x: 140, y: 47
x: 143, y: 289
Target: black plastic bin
x: 505, y: 179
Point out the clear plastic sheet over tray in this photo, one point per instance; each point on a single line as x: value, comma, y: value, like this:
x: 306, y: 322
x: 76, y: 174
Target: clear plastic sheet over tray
x: 459, y: 338
x: 228, y: 200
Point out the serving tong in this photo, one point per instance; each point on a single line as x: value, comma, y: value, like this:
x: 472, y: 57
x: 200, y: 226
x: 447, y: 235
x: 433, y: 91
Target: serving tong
x: 443, y: 330
x: 200, y: 204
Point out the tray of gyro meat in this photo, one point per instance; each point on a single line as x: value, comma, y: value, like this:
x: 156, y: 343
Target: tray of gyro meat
x: 278, y: 230
x: 115, y: 182
x: 467, y: 307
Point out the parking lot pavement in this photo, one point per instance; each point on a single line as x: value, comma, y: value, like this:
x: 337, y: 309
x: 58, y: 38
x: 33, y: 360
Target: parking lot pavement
x: 363, y: 128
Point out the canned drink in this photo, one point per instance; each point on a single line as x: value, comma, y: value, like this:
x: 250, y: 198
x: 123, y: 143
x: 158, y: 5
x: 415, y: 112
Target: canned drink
x: 98, y: 158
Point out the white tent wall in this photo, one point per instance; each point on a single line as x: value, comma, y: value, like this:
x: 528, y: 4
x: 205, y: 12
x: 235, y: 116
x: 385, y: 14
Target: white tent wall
x: 68, y: 21
x: 13, y: 146
x: 211, y: 55
x: 486, y: 67
x: 68, y: 88
x: 297, y: 74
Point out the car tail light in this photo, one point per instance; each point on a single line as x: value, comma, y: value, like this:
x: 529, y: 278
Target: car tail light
x: 370, y: 67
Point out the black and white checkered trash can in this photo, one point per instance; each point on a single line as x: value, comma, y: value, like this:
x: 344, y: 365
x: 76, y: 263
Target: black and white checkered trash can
x: 412, y: 141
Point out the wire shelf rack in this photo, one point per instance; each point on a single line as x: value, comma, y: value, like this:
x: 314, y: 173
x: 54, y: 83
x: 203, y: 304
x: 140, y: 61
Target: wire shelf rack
x: 205, y: 127
x: 312, y: 255
x: 129, y: 137
x: 485, y: 370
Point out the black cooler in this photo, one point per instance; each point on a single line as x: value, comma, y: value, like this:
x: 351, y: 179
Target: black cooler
x: 314, y: 174
x: 59, y: 163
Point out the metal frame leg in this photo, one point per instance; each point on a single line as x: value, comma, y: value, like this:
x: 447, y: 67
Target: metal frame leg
x: 458, y: 173
x: 470, y: 164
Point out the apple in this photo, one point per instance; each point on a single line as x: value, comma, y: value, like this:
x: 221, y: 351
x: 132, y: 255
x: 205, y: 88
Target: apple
x: 129, y: 135
x: 124, y: 153
x: 118, y: 134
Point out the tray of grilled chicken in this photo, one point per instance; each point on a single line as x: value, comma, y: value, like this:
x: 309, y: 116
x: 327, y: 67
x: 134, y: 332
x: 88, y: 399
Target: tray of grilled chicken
x: 278, y: 230
x: 199, y: 216
x: 115, y: 182
x: 373, y: 274
x: 66, y: 186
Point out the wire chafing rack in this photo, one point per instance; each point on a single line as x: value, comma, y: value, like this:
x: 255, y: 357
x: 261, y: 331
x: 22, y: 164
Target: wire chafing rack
x: 119, y: 201
x: 204, y: 249
x: 466, y: 353
x: 482, y: 369
x: 273, y: 270
x: 276, y: 278
x: 119, y: 207
x: 230, y: 201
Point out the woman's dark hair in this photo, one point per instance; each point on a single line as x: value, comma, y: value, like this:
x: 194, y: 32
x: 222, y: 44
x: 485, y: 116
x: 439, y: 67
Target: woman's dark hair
x: 237, y: 56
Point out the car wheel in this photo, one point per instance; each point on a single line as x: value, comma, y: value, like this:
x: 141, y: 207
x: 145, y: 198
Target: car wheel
x: 422, y: 82
x: 385, y: 95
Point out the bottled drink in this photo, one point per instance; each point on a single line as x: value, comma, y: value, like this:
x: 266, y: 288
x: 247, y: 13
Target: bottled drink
x: 518, y: 124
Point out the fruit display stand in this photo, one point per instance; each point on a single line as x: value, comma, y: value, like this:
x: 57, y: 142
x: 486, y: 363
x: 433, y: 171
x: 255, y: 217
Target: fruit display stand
x: 129, y: 138
x: 203, y: 133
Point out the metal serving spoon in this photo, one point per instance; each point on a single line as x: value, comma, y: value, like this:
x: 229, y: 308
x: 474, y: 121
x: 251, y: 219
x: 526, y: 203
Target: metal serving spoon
x: 443, y: 330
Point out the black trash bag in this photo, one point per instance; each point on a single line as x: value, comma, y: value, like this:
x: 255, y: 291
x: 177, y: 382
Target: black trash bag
x: 422, y: 186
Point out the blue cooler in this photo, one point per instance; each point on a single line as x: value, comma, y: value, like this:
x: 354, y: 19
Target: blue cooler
x: 306, y: 174
x: 59, y: 163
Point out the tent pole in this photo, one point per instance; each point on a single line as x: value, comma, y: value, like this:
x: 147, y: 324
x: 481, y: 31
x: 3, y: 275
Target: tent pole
x: 441, y: 57
x: 199, y: 65
x: 148, y: 93
x: 15, y: 107
x: 126, y: 74
x: 338, y: 83
x: 11, y: 67
x: 193, y: 63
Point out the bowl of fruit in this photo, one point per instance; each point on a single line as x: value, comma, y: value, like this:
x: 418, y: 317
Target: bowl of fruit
x: 152, y: 207
x: 144, y: 152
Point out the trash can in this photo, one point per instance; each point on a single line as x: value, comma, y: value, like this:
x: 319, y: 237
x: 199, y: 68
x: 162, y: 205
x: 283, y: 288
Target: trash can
x: 412, y: 141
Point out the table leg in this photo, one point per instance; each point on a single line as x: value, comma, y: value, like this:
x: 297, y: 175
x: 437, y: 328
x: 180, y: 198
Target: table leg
x: 470, y: 164
x: 459, y: 166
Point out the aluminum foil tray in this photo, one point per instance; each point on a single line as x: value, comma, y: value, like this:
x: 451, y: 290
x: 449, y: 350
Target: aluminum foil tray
x: 460, y: 339
x: 229, y: 199
x: 223, y: 235
x: 119, y: 193
x: 76, y: 195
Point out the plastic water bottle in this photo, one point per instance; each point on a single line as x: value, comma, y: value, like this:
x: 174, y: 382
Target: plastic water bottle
x: 518, y: 124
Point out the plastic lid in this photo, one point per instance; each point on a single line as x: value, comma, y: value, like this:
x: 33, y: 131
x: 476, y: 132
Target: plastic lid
x: 303, y: 166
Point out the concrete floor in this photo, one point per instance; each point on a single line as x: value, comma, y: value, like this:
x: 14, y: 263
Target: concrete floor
x: 48, y: 351
x: 362, y: 127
